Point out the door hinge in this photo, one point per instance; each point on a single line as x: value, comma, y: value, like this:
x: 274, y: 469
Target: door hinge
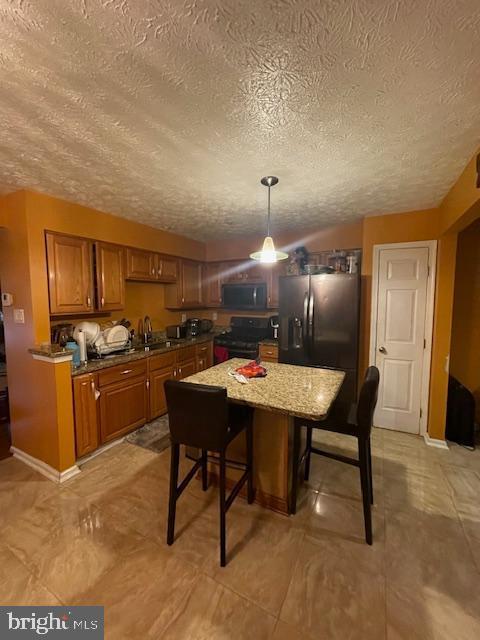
x: 421, y: 413
x: 428, y: 270
x: 424, y: 343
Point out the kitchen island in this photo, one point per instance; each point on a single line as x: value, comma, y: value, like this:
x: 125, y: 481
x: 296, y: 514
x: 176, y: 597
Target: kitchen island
x: 285, y: 393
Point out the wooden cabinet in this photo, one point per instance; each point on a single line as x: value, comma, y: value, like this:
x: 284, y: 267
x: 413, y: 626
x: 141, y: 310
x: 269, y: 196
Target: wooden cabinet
x: 268, y: 352
x: 162, y: 368
x: 187, y: 293
x: 204, y: 355
x: 70, y: 274
x: 167, y: 269
x: 85, y: 411
x: 185, y: 369
x: 272, y: 274
x: 147, y: 266
x: 110, y: 276
x: 214, y: 274
x: 244, y: 271
x: 140, y: 264
x: 123, y: 407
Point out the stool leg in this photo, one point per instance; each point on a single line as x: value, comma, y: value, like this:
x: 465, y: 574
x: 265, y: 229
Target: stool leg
x: 370, y: 473
x: 250, y: 489
x: 204, y: 470
x: 172, y: 504
x: 223, y: 554
x: 367, y: 513
x: 308, y: 453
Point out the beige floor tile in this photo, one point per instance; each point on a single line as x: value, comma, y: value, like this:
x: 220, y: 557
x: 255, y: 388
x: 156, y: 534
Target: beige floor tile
x: 18, y: 585
x: 427, y: 614
x: 334, y: 516
x: 284, y: 631
x: 431, y: 552
x: 213, y: 612
x: 69, y: 544
x: 464, y: 483
x: 419, y: 493
x: 329, y: 597
x: 456, y: 455
x: 22, y: 487
x: 143, y: 594
x: 343, y: 481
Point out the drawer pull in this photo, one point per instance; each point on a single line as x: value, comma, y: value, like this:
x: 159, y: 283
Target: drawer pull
x: 126, y: 371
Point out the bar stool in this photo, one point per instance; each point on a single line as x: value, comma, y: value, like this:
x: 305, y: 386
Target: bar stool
x: 200, y: 416
x: 355, y: 420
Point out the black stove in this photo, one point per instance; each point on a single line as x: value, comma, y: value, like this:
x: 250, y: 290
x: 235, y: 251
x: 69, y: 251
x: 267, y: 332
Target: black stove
x: 244, y: 335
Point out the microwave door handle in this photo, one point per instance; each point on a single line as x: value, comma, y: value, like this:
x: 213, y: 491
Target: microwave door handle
x: 255, y: 297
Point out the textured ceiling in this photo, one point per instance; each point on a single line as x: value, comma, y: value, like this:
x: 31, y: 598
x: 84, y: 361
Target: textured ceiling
x: 170, y: 112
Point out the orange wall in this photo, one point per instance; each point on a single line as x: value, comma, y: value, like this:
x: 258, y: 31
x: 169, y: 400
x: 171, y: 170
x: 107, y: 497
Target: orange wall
x: 465, y: 345
x: 458, y: 208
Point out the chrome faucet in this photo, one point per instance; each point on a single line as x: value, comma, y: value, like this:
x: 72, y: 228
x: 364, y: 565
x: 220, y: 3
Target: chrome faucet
x: 147, y: 329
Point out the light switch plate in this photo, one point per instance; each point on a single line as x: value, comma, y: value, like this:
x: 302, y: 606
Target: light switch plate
x: 214, y: 315
x: 19, y: 316
x: 7, y: 299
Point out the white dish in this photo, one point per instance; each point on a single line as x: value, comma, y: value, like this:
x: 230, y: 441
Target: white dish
x: 90, y: 329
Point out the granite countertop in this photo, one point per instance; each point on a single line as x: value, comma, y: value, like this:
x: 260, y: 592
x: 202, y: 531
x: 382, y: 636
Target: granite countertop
x: 306, y: 392
x: 138, y: 354
x: 53, y: 351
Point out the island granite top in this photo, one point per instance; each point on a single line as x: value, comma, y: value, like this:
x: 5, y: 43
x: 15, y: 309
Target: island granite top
x: 305, y: 392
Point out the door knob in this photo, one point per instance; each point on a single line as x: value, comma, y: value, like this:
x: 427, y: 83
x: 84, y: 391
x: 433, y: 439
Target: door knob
x: 382, y: 349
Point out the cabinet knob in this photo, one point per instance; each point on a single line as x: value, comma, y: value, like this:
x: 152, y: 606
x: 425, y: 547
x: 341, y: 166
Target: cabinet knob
x: 153, y: 271
x: 126, y: 371
x: 102, y: 301
x: 89, y: 301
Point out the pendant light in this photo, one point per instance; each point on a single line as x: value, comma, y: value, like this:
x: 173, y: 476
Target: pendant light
x: 268, y: 253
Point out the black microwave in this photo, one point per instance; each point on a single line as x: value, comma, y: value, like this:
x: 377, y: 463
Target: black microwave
x: 244, y: 296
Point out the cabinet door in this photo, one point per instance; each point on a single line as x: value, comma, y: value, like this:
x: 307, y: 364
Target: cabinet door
x: 213, y: 284
x: 86, y: 421
x: 167, y: 269
x: 158, y: 402
x: 70, y: 274
x: 123, y: 408
x: 204, y: 353
x: 253, y: 271
x: 272, y: 278
x: 141, y: 265
x: 191, y: 283
x: 185, y: 369
x: 110, y: 276
x: 233, y: 271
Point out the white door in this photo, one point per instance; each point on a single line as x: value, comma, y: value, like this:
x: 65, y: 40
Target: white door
x: 400, y: 336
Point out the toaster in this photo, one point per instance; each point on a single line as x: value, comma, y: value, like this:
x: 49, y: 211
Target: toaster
x: 176, y: 331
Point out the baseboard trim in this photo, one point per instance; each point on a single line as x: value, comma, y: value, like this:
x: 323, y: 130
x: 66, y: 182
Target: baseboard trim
x: 45, y: 469
x: 98, y: 452
x: 433, y: 442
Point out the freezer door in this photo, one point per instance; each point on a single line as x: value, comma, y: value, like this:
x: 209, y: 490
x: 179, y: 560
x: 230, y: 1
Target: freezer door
x: 293, y: 320
x: 333, y: 317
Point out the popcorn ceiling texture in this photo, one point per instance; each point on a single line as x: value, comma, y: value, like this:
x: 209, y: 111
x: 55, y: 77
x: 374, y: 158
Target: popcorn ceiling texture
x: 170, y: 112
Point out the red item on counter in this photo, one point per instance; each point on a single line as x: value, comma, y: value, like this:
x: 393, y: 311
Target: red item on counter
x: 252, y: 370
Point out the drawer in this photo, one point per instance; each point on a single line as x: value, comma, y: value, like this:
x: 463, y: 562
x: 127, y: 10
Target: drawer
x: 268, y: 352
x: 162, y: 361
x: 186, y: 353
x: 122, y: 372
x: 203, y: 349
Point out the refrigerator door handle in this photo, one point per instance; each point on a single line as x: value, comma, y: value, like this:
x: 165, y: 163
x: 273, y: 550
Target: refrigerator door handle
x: 305, y: 318
x: 310, y: 318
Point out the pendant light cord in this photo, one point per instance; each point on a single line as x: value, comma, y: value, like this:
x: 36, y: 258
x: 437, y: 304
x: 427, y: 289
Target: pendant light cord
x: 268, y: 216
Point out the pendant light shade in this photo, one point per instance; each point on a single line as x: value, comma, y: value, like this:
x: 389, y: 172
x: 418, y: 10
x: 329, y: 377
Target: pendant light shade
x: 268, y: 254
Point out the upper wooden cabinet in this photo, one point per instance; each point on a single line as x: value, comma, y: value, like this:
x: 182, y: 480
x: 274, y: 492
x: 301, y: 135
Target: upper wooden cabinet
x: 70, y: 274
x: 214, y: 274
x: 110, y: 276
x: 244, y: 271
x: 272, y: 274
x: 148, y: 266
x: 141, y: 265
x: 187, y: 293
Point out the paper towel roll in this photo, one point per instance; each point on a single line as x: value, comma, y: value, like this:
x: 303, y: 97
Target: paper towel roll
x: 82, y: 345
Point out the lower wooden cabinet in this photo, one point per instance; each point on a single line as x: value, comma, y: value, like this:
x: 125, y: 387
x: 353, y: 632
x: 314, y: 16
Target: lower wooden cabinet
x: 268, y: 352
x: 121, y: 398
x: 123, y: 408
x: 85, y: 411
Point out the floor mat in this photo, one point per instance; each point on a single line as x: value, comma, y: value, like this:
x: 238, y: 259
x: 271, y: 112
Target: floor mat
x: 154, y: 436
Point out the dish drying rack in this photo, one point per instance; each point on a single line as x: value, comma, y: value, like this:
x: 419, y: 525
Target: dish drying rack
x: 100, y: 350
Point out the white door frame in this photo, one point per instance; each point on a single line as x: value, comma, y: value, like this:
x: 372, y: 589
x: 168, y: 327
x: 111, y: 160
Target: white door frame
x: 429, y: 311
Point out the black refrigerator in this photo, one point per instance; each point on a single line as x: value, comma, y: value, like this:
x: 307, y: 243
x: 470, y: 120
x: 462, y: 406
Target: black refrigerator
x: 319, y: 319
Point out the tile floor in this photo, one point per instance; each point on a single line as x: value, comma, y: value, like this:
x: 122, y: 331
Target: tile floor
x: 100, y: 539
